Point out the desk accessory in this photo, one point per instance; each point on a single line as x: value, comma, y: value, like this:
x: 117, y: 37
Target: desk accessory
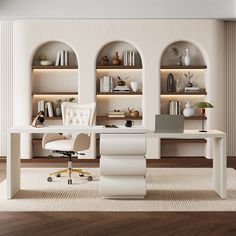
x: 38, y: 120
x: 203, y: 106
x: 129, y: 123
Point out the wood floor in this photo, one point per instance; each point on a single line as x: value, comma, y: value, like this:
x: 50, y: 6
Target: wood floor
x: 119, y: 223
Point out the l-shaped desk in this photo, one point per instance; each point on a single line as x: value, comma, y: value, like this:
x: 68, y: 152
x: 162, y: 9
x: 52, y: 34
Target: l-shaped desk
x: 122, y: 163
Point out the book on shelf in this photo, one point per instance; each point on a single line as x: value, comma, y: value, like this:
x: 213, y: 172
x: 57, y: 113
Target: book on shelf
x: 116, y: 116
x: 62, y: 58
x: 116, y: 113
x: 49, y: 109
x: 106, y: 84
x: 41, y: 106
x: 129, y: 58
x: 121, y: 88
x: 191, y: 89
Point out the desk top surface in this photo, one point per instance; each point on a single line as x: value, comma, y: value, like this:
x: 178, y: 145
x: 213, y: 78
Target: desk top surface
x: 99, y: 129
x: 120, y: 130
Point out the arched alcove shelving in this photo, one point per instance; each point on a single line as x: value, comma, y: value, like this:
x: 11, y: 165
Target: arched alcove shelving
x: 129, y: 70
x: 197, y: 67
x: 52, y: 83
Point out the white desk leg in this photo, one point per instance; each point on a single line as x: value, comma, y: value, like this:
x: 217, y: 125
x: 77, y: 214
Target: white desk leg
x: 219, y: 166
x: 13, y: 165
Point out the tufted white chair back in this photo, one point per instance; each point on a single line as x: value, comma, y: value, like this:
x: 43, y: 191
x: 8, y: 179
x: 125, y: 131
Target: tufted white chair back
x: 77, y: 113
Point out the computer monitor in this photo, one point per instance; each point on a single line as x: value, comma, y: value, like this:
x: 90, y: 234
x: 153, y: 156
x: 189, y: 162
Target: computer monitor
x: 169, y: 124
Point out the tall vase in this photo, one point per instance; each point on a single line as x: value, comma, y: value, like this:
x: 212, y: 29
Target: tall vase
x: 170, y: 83
x: 187, y: 57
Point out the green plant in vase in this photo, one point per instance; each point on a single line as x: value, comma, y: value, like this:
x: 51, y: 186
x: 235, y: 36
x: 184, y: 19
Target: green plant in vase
x: 58, y: 107
x: 39, y: 58
x: 180, y: 57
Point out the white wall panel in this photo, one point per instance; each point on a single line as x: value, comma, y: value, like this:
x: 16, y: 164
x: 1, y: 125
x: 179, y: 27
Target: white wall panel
x: 230, y: 65
x: 6, y: 83
x: 150, y: 37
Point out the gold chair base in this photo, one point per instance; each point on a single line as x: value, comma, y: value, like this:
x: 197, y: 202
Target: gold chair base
x: 67, y: 171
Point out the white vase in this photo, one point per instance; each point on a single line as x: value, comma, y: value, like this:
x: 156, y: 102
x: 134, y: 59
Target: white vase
x: 187, y: 57
x: 178, y: 85
x: 188, y: 110
x: 135, y: 86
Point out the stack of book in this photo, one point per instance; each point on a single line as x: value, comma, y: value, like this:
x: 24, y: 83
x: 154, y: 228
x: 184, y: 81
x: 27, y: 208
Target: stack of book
x: 129, y: 58
x: 116, y: 114
x: 106, y: 84
x: 62, y: 58
x: 46, y: 107
x: 121, y: 89
x: 191, y: 89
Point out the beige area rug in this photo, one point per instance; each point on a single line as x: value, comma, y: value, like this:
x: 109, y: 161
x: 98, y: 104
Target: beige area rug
x: 168, y: 189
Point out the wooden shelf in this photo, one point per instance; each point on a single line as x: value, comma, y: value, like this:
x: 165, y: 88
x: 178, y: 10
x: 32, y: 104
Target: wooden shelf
x: 199, y: 67
x: 120, y: 67
x: 37, y: 140
x: 201, y: 92
x: 119, y: 118
x: 174, y: 141
x: 195, y: 118
x: 53, y: 67
x: 51, y: 118
x: 119, y: 93
x: 55, y: 93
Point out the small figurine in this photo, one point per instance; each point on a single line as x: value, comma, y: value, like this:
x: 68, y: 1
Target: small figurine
x: 133, y: 113
x: 188, y: 77
x: 116, y: 60
x: 104, y: 61
x: 121, y: 82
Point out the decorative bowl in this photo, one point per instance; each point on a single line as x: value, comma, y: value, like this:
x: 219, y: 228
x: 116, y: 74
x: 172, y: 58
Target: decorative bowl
x: 46, y: 63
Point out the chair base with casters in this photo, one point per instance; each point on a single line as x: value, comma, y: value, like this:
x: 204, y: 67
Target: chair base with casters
x: 70, y: 170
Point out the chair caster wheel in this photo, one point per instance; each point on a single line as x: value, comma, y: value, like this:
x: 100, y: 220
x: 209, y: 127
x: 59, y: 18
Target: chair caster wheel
x: 49, y: 179
x: 58, y: 175
x: 90, y: 178
x: 69, y: 181
x: 81, y: 175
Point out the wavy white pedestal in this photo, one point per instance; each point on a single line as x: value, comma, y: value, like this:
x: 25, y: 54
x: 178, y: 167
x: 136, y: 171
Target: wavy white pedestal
x: 122, y: 165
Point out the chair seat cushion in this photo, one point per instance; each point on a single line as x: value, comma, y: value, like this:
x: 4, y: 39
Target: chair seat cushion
x: 60, y: 145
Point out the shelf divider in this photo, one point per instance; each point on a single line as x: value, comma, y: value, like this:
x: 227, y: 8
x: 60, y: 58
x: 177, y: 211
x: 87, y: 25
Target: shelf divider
x: 200, y: 67
x: 53, y: 67
x: 119, y: 67
x: 174, y: 141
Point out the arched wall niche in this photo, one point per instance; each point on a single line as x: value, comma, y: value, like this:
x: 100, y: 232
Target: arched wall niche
x: 51, y: 48
x: 197, y: 67
x: 197, y: 56
x: 121, y: 47
x: 130, y: 73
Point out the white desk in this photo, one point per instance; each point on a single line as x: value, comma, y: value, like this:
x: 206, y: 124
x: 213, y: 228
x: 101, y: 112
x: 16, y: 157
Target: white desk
x: 120, y: 147
x: 219, y: 153
x: 13, y: 149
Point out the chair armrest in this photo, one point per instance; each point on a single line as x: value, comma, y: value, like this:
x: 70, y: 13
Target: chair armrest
x: 80, y: 142
x: 51, y: 137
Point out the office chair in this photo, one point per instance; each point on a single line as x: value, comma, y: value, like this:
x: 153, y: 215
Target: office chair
x: 81, y: 114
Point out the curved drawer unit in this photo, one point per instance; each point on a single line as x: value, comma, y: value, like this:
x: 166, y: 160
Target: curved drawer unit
x: 122, y: 144
x: 122, y: 165
x: 122, y: 186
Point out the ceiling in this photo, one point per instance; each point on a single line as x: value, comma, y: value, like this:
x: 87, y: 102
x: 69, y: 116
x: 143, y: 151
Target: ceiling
x: 144, y: 9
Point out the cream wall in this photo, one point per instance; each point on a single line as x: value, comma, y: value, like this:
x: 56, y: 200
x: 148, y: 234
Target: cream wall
x: 150, y: 37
